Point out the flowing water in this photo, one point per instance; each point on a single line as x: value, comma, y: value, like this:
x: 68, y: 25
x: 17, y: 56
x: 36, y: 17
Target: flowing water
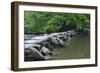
x: 76, y: 48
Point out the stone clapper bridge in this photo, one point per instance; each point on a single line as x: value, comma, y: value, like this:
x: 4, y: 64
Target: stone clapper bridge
x: 37, y: 48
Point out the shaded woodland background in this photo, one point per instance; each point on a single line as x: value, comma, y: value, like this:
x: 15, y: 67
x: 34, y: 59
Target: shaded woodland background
x: 50, y: 22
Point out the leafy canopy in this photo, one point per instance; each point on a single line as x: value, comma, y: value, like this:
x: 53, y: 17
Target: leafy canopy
x: 48, y: 22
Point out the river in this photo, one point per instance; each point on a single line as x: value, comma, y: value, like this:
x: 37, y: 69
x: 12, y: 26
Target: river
x: 76, y: 48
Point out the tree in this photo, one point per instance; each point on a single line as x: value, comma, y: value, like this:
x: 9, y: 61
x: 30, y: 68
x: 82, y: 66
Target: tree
x: 48, y: 22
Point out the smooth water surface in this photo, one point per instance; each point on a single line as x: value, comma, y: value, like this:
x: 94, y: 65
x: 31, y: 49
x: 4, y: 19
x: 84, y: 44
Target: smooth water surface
x: 76, y: 48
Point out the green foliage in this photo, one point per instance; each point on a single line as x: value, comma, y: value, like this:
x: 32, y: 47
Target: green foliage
x: 47, y: 22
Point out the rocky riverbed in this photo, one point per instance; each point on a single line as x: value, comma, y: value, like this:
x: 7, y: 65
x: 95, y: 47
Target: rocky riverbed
x: 50, y: 46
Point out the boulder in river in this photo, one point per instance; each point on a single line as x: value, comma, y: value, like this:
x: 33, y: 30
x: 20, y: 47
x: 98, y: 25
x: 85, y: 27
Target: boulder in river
x: 33, y: 54
x: 61, y: 43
